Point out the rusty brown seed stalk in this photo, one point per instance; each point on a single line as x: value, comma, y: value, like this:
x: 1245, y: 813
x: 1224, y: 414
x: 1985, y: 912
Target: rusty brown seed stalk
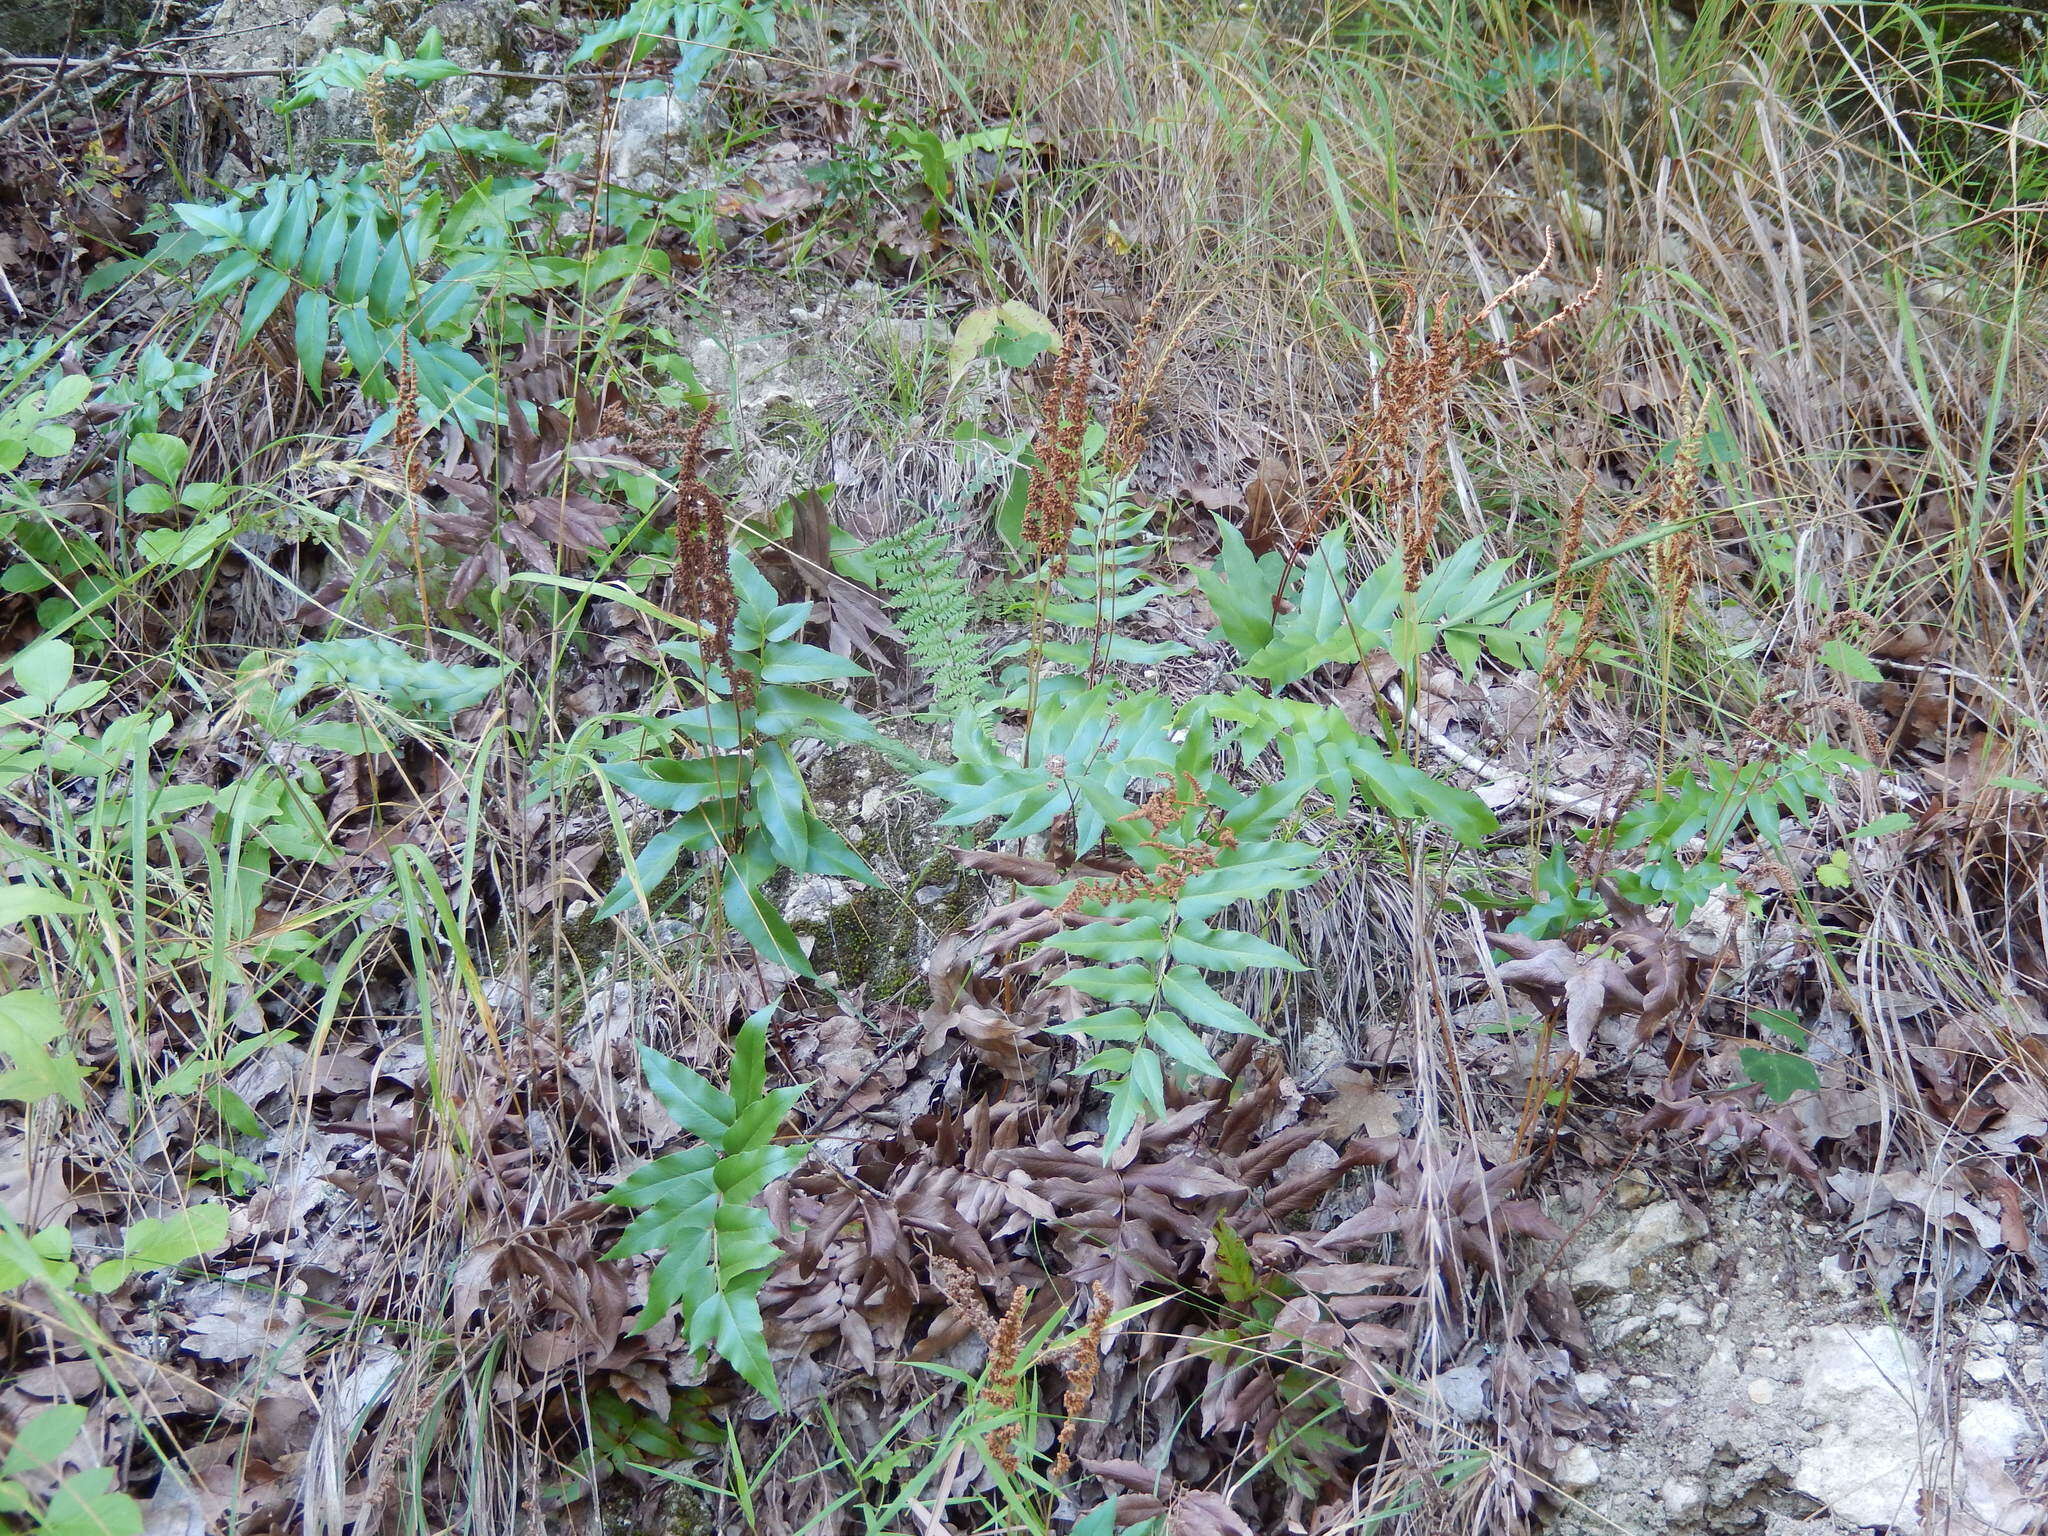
x: 1565, y: 679
x: 1134, y: 385
x: 406, y: 433
x: 1674, y: 558
x: 1394, y: 448
x: 1051, y: 500
x: 703, y: 581
x: 1571, y: 544
x: 1080, y: 1363
x: 999, y: 1389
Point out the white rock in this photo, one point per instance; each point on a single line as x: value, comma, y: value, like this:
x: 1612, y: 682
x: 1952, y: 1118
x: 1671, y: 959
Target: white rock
x: 1835, y: 1277
x: 1462, y: 1391
x: 1984, y: 1371
x: 1761, y: 1390
x: 1577, y: 1469
x: 1988, y: 1435
x: 1864, y: 1387
x: 1658, y: 1229
x: 1593, y: 1387
x: 323, y: 26
x: 1991, y: 1431
x: 652, y: 139
x: 1681, y: 1497
x: 814, y: 897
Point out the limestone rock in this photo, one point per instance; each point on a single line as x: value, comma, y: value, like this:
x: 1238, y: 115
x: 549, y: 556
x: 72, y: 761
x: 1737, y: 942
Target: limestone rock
x: 656, y: 138
x: 1462, y: 1391
x: 1577, y: 1469
x: 1656, y: 1229
x: 1988, y: 1435
x: 1681, y: 1496
x: 1865, y: 1387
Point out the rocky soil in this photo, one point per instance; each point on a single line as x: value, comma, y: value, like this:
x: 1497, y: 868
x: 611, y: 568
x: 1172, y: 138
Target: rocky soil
x: 1753, y: 1377
x: 1754, y: 1367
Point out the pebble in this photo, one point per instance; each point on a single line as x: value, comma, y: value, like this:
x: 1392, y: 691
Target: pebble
x: 1984, y: 1371
x: 1837, y: 1278
x: 1578, y: 1468
x: 1761, y: 1390
x: 1593, y: 1387
x: 1681, y: 1497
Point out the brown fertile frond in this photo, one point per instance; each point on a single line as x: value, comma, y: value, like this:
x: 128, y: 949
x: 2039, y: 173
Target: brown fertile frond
x: 1394, y: 448
x: 703, y: 583
x: 1081, y: 1363
x: 959, y: 1287
x: 1570, y: 544
x: 999, y: 1389
x: 1055, y: 484
x: 1565, y: 677
x: 1127, y: 417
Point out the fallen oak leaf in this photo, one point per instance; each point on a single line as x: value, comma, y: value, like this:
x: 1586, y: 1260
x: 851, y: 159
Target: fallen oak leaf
x: 1588, y: 987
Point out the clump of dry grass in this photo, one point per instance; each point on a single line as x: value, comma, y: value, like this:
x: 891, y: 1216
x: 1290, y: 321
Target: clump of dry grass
x: 1805, y: 394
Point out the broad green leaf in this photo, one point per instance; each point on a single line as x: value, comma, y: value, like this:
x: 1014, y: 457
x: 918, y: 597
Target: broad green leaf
x: 43, y: 668
x: 261, y: 302
x: 147, y: 500
x: 390, y: 282
x: 750, y: 1057
x: 309, y: 338
x: 1130, y: 938
x: 324, y: 247
x: 184, y: 549
x: 30, y: 1021
x: 1780, y: 1073
x: 1226, y: 949
x: 700, y: 1108
x: 1850, y: 662
x: 1185, y: 991
x: 1113, y: 984
x: 1780, y: 1022
x: 358, y: 261
x: 1172, y: 1035
x: 160, y: 455
x: 159, y: 1242
x: 87, y: 1504
x: 761, y: 924
x: 671, y: 784
x: 45, y: 1255
x: 42, y: 1439
x: 20, y: 900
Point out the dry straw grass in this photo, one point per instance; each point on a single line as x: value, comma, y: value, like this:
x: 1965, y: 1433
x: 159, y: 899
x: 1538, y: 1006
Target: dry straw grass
x: 1805, y: 390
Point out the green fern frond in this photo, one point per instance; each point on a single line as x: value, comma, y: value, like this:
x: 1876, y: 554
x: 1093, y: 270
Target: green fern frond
x: 919, y: 576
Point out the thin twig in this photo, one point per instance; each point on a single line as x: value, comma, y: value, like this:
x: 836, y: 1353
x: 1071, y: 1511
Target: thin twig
x: 1594, y: 807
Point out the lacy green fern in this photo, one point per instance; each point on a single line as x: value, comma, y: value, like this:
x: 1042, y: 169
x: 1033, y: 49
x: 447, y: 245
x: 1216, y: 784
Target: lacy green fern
x: 919, y: 576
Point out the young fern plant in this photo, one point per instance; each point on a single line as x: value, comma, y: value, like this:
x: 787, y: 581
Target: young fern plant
x: 703, y: 32
x: 697, y: 1203
x: 1287, y: 620
x: 738, y: 798
x: 1093, y: 582
x: 919, y: 577
x: 1196, y: 845
x: 382, y: 280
